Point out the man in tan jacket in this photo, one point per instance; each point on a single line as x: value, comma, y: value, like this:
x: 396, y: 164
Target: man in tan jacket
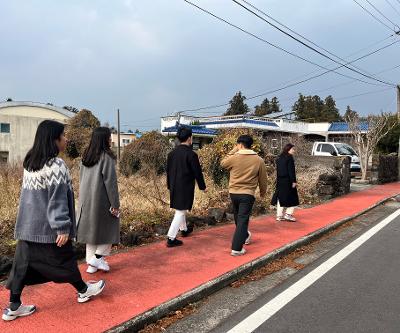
x: 247, y: 171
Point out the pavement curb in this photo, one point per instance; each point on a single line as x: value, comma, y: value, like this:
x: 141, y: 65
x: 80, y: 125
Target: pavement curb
x: 210, y: 287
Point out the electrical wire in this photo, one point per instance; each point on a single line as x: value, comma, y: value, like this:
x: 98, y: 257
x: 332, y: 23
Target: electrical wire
x: 391, y: 5
x: 380, y: 12
x: 310, y: 47
x: 300, y: 35
x: 377, y: 19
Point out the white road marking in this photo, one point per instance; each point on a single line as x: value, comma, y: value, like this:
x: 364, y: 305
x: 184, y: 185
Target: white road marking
x: 257, y: 318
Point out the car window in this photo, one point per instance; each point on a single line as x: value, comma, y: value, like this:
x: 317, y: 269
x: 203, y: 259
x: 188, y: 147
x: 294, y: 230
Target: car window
x: 319, y: 147
x: 345, y: 149
x: 327, y: 149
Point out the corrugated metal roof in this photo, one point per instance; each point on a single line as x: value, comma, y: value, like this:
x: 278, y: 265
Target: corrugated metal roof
x: 344, y: 127
x: 195, y: 129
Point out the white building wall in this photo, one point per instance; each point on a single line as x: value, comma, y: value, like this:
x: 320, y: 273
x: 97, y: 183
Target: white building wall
x: 24, y: 120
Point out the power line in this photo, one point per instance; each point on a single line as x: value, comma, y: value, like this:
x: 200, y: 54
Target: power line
x: 377, y: 19
x: 383, y: 15
x: 300, y: 35
x: 279, y: 89
x: 391, y: 5
x: 308, y: 46
x: 273, y: 45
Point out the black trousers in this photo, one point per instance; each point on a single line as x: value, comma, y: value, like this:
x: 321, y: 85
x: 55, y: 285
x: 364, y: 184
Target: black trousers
x: 36, y: 263
x: 242, y: 206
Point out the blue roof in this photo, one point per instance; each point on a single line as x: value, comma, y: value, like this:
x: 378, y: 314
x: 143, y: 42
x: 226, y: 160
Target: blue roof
x: 195, y: 129
x: 243, y: 120
x: 344, y: 127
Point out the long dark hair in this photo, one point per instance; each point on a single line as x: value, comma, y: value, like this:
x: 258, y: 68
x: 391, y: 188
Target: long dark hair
x: 44, y: 146
x: 99, y: 144
x: 286, y: 149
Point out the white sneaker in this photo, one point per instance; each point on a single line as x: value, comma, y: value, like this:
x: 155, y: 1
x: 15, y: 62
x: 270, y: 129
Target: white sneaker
x: 93, y: 289
x: 290, y: 218
x: 238, y: 253
x: 91, y: 269
x: 22, y: 311
x: 280, y: 218
x: 248, y: 239
x: 99, y: 264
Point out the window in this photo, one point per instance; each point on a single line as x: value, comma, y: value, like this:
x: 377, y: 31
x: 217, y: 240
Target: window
x: 3, y: 156
x: 4, y: 128
x: 274, y: 143
x: 327, y: 149
x: 126, y: 141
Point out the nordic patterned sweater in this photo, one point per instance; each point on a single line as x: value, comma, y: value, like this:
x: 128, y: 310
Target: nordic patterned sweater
x: 46, y: 206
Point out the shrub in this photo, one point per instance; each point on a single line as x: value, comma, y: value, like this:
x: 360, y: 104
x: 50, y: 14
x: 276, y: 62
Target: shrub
x: 212, y: 154
x: 79, y: 131
x: 147, y: 155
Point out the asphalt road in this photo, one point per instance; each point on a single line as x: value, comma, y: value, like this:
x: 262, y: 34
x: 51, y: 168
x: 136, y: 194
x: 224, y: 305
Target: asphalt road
x: 360, y: 293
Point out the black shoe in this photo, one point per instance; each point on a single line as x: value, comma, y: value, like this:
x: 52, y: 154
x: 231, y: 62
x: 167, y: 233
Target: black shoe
x: 174, y: 242
x: 186, y: 233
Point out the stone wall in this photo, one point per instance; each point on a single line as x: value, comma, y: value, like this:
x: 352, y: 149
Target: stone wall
x: 384, y: 169
x: 334, y: 179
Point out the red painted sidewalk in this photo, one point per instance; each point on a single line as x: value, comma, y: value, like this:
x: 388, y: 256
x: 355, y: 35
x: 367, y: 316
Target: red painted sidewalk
x: 148, y: 276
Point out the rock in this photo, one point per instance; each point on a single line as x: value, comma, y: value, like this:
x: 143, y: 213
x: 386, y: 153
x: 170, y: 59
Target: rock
x: 129, y: 239
x: 161, y: 229
x: 210, y: 220
x: 217, y: 213
x: 197, y: 221
x: 326, y: 190
x: 230, y: 217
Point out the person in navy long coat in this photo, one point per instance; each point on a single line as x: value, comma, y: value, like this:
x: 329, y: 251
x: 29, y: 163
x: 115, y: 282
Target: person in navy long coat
x: 183, y: 171
x: 286, y: 197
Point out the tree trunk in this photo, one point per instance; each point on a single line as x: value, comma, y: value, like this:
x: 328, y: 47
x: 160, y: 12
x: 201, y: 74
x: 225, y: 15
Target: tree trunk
x: 364, y: 166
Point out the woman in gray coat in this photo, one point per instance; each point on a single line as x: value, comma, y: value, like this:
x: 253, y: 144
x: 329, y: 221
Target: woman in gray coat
x: 98, y: 216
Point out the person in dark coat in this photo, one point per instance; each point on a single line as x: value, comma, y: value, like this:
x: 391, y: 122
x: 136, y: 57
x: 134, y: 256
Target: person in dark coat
x: 286, y: 197
x: 183, y: 170
x: 98, y: 223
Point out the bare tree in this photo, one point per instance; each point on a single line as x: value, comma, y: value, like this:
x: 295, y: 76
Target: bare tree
x: 366, y: 133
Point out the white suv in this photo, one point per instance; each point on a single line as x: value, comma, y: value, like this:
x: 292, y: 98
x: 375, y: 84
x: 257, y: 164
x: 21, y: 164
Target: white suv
x: 337, y: 149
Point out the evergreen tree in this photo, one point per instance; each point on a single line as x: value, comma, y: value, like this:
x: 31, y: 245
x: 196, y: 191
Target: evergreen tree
x: 237, y: 105
x: 275, y: 107
x: 263, y: 109
x: 349, y: 113
x: 299, y: 108
x: 330, y: 112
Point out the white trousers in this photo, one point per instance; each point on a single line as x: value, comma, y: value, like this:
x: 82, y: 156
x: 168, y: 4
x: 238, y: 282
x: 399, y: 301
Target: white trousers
x: 280, y: 211
x: 178, y: 223
x: 101, y: 250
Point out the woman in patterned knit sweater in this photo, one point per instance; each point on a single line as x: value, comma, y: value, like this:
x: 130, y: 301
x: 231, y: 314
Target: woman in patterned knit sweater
x: 45, y: 224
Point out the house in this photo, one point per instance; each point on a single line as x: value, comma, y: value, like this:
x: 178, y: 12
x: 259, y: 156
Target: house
x: 276, y: 129
x: 125, y: 139
x: 18, y: 124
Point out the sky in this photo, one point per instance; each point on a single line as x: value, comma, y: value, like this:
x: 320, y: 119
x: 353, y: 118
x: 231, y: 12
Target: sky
x: 154, y: 58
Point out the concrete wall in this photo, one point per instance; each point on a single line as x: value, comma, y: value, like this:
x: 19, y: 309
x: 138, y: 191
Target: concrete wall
x: 22, y: 133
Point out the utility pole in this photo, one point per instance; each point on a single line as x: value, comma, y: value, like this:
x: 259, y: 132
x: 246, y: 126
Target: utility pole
x: 398, y: 120
x: 119, y: 136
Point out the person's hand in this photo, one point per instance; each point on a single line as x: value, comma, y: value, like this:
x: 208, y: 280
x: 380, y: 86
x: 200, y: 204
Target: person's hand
x: 205, y: 190
x: 294, y: 185
x: 62, y: 240
x: 115, y: 212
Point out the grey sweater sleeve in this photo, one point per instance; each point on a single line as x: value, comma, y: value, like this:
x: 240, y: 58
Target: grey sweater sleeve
x: 110, y: 180
x: 58, y: 210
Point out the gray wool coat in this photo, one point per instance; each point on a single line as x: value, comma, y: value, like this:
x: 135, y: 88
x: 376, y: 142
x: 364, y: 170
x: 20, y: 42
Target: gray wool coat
x: 98, y: 191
